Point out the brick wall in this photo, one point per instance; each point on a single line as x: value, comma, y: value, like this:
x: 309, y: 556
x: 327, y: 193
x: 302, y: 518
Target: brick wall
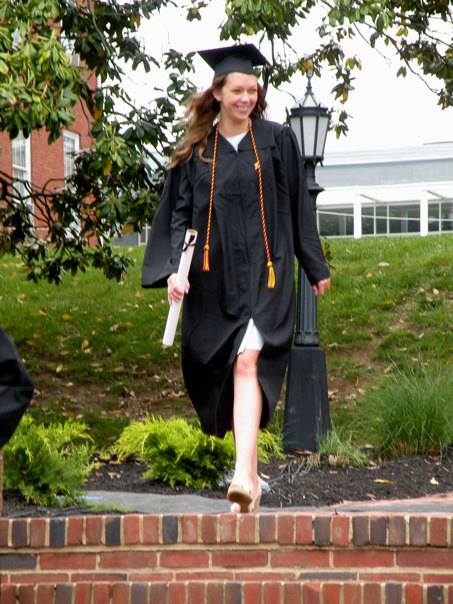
x: 47, y: 161
x: 256, y: 559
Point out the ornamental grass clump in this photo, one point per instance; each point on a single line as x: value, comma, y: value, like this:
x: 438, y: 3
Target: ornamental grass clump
x: 412, y: 414
x: 337, y: 447
x: 179, y: 453
x: 48, y: 465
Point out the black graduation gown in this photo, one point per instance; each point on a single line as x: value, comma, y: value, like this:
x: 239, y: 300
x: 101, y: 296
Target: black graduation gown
x: 220, y: 302
x: 16, y: 388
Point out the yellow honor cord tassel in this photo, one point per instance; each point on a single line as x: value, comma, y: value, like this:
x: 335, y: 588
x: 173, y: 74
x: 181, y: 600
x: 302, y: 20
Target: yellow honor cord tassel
x: 271, y: 276
x: 206, y: 267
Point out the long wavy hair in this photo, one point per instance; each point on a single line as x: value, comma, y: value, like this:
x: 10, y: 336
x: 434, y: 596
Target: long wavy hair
x: 201, y: 112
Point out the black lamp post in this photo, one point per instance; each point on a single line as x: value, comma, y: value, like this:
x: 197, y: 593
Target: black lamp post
x: 307, y: 406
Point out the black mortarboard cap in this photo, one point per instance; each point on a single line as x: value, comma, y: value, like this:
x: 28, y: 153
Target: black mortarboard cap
x: 241, y: 58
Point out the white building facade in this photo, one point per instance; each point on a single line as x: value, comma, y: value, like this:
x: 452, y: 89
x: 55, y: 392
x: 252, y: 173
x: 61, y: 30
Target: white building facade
x: 387, y: 192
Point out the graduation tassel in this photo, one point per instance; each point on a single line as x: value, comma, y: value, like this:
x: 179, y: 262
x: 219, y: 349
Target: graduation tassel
x: 270, y: 276
x: 206, y: 267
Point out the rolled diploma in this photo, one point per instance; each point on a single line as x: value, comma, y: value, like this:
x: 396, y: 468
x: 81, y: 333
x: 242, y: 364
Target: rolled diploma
x: 183, y: 272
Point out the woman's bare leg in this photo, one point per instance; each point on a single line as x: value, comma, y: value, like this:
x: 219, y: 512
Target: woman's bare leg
x: 247, y: 409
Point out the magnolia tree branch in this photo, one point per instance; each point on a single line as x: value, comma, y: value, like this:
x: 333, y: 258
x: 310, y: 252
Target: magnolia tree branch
x: 117, y: 180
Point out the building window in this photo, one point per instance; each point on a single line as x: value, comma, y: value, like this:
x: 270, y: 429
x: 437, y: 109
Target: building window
x: 144, y: 234
x: 404, y: 218
x: 71, y: 146
x: 20, y: 147
x: 368, y: 219
x: 336, y: 222
x: 71, y: 142
x: 434, y: 216
x: 440, y: 216
x: 73, y: 57
x: 446, y: 215
x: 384, y: 219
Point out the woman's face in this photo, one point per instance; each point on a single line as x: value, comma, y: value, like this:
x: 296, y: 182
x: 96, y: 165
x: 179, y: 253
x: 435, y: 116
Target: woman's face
x: 238, y: 96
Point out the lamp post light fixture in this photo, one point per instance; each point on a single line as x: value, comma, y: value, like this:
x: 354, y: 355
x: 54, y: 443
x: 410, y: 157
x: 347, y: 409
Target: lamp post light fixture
x: 307, y: 414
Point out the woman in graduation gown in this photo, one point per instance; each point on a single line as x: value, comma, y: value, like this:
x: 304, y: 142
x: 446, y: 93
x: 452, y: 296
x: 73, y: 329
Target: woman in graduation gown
x: 238, y: 180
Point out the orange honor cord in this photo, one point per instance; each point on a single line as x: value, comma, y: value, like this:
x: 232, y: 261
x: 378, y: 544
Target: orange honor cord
x: 270, y: 266
x: 206, y: 264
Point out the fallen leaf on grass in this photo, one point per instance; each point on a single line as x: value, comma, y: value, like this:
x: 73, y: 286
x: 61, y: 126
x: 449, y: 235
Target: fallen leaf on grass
x: 66, y: 317
x: 383, y: 481
x: 59, y: 369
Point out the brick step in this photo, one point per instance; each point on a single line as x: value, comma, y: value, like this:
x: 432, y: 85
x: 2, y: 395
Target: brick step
x: 321, y: 549
x: 227, y: 592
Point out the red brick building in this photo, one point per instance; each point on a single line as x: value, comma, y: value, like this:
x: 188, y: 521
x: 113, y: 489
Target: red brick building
x: 32, y: 159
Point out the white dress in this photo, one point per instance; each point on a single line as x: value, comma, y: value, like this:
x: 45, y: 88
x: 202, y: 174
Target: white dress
x: 252, y: 339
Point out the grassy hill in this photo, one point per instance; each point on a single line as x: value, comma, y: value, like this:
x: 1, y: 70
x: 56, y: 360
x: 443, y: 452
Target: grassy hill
x: 93, y: 346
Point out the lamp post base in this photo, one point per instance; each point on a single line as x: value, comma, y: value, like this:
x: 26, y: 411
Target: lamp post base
x: 307, y: 415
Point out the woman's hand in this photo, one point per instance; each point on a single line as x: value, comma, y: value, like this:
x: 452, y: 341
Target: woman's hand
x: 175, y: 293
x: 321, y: 287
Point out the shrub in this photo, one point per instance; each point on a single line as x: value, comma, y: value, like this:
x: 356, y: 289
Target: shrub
x: 340, y: 451
x: 44, y: 462
x: 412, y: 414
x: 179, y: 453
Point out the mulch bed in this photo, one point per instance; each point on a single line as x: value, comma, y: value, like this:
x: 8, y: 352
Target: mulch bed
x: 293, y: 482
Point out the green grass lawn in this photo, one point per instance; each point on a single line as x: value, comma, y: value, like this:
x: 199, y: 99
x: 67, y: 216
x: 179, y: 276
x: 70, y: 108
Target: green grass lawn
x: 392, y: 301
x: 94, y: 348
x: 88, y: 327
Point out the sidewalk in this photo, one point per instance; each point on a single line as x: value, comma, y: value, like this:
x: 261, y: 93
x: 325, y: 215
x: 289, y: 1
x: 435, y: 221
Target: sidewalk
x: 194, y: 504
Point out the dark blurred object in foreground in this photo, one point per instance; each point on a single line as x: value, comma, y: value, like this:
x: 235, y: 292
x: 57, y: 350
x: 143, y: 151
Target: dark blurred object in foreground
x: 16, y: 388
